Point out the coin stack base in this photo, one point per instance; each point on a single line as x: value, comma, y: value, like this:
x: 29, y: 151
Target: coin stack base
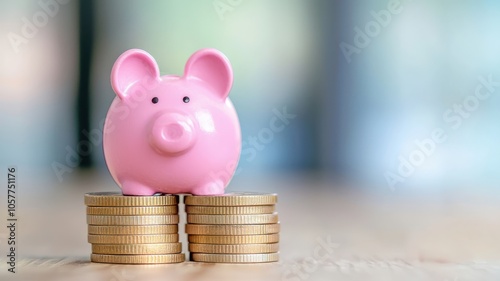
x: 233, y: 228
x: 133, y: 229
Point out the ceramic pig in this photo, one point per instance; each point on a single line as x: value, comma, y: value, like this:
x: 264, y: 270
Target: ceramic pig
x: 171, y: 134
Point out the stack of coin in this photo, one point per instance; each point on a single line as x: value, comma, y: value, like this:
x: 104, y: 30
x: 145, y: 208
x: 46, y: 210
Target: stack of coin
x: 233, y: 228
x: 133, y: 229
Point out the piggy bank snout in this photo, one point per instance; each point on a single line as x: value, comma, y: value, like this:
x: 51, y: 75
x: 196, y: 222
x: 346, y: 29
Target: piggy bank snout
x: 173, y: 133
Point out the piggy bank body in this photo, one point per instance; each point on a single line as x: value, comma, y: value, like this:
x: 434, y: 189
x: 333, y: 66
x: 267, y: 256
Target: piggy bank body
x: 171, y: 134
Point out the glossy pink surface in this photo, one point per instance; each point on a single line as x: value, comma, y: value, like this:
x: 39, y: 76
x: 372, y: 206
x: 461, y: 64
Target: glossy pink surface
x: 170, y: 134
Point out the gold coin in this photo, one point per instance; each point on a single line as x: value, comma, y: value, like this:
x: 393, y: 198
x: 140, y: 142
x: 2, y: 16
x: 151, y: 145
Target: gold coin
x: 235, y: 258
x: 241, y: 229
x: 112, y: 199
x: 133, y: 239
x: 234, y: 239
x: 133, y: 229
x: 234, y: 249
x: 133, y: 211
x: 137, y: 249
x: 231, y: 210
x: 138, y: 259
x: 132, y: 220
x: 233, y: 199
x: 233, y: 219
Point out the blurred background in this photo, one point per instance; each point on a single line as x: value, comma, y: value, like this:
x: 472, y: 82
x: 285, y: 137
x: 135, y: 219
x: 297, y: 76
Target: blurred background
x: 365, y: 81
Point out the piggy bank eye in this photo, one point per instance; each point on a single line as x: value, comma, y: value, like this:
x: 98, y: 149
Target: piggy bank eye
x: 186, y: 99
x: 154, y: 100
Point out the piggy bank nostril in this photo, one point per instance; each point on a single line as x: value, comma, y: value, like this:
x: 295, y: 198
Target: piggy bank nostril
x: 173, y: 131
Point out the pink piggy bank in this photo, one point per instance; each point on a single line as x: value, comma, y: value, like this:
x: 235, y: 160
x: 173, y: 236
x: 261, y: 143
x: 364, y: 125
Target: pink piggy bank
x: 171, y: 134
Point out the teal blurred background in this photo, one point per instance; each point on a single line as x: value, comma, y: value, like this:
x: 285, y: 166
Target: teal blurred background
x: 365, y: 80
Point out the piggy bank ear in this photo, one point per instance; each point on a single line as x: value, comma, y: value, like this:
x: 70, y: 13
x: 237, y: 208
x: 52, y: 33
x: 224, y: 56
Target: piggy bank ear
x: 213, y: 68
x: 133, y: 66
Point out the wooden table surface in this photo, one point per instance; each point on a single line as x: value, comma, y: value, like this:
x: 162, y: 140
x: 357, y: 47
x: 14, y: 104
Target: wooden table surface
x: 330, y: 231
